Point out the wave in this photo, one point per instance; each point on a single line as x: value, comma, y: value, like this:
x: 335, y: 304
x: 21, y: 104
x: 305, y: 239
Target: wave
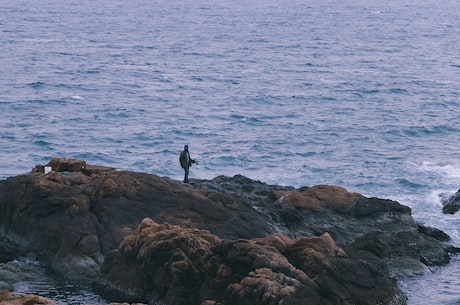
x: 406, y: 183
x: 421, y: 131
x: 36, y: 85
x: 448, y: 170
x: 42, y: 143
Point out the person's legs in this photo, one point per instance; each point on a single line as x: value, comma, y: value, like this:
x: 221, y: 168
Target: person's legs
x: 186, y: 175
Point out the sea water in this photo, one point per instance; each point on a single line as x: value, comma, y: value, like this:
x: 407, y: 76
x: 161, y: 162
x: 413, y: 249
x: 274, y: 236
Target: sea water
x: 362, y: 94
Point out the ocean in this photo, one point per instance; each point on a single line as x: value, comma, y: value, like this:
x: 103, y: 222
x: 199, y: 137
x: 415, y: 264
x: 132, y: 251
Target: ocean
x: 361, y: 94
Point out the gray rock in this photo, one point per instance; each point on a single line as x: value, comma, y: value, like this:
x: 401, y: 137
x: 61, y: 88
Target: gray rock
x: 4, y: 285
x: 452, y: 204
x: 19, y: 271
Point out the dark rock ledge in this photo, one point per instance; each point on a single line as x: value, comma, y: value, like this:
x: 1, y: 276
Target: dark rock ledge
x: 231, y: 240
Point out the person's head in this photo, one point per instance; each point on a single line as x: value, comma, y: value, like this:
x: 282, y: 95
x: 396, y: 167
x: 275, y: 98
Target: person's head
x: 186, y: 147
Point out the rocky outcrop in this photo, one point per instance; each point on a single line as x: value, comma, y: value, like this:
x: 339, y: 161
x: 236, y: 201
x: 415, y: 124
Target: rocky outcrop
x: 191, y: 266
x: 317, y: 209
x: 71, y: 218
x: 380, y: 226
x: 452, y: 204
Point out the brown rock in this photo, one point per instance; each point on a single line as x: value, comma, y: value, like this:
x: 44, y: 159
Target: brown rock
x: 4, y: 295
x: 38, y: 169
x: 163, y: 260
x: 24, y: 299
x: 312, y: 254
x: 321, y: 197
x: 342, y: 277
x: 278, y: 241
x: 29, y: 299
x: 263, y: 286
x: 190, y: 266
x: 66, y: 165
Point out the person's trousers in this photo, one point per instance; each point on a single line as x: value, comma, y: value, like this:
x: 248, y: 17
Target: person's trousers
x: 186, y: 170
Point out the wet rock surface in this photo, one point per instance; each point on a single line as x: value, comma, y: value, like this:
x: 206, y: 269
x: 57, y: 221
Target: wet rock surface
x: 452, y: 204
x: 16, y: 271
x: 222, y: 241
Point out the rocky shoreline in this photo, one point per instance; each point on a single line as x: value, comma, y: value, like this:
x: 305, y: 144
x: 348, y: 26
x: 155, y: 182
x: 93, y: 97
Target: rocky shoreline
x: 231, y: 240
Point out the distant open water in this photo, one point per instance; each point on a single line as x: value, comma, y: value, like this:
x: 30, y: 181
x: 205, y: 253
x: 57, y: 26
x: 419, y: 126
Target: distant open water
x: 362, y: 94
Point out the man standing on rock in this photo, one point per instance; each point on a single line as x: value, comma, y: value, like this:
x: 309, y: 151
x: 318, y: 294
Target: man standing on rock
x: 186, y: 162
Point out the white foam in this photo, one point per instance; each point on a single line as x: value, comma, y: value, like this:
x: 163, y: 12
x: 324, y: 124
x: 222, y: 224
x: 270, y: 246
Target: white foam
x: 449, y: 170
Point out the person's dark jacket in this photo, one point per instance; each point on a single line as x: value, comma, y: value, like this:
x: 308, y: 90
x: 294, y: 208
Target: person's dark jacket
x: 185, y: 160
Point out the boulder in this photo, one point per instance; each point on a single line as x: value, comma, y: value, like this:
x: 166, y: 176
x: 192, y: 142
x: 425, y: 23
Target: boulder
x: 66, y: 165
x: 320, y: 198
x: 71, y: 165
x: 452, y: 204
x: 191, y: 266
x: 324, y: 198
